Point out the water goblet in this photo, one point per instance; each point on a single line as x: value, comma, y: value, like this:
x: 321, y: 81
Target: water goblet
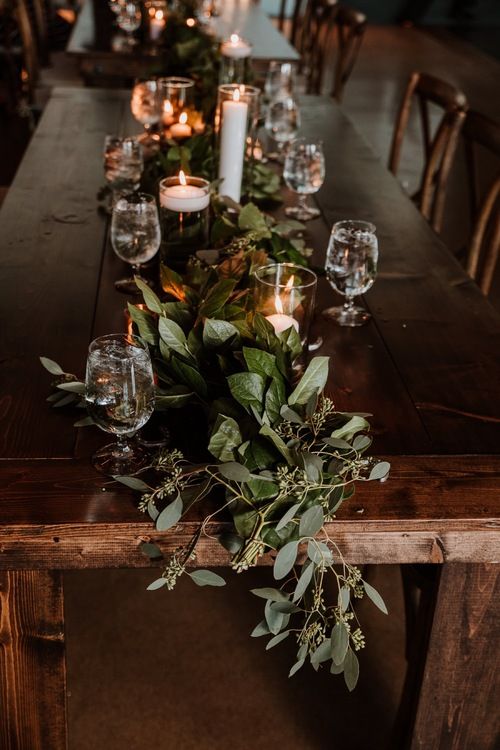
x: 280, y: 80
x: 120, y: 396
x: 304, y: 173
x: 129, y: 20
x: 123, y: 163
x: 351, y: 267
x: 282, y: 123
x: 117, y: 6
x: 135, y: 234
x: 145, y: 104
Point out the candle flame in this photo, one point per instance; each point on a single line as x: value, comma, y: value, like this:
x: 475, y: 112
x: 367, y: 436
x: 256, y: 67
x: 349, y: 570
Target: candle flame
x: 235, y: 38
x: 152, y: 12
x: 167, y: 107
x: 183, y: 118
x: 190, y: 22
x: 289, y: 283
x: 278, y: 304
x: 236, y: 95
x: 159, y: 15
x: 182, y: 178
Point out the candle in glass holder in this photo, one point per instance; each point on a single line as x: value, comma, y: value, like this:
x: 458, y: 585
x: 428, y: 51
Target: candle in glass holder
x: 279, y: 321
x: 284, y: 293
x: 156, y: 26
x: 232, y: 145
x: 236, y: 47
x: 180, y: 130
x: 168, y: 113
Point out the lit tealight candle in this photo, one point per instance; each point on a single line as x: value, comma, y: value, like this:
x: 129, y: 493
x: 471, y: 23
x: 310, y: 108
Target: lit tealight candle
x: 236, y: 47
x: 183, y: 197
x: 279, y: 321
x: 168, y: 112
x: 181, y: 129
x: 156, y: 25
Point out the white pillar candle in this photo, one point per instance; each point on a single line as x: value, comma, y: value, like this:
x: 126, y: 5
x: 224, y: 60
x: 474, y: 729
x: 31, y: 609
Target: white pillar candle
x: 282, y: 322
x: 236, y: 47
x: 232, y: 146
x: 181, y: 129
x: 183, y: 197
x: 156, y: 26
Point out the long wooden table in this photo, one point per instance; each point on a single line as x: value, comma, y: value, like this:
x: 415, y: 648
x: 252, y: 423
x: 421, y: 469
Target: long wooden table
x: 427, y: 366
x: 101, y: 63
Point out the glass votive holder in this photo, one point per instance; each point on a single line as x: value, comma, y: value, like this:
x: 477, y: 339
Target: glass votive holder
x: 236, y: 55
x: 236, y: 120
x: 177, y: 99
x: 284, y: 293
x: 184, y: 219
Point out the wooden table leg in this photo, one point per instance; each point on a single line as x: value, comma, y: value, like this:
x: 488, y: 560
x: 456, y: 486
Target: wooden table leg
x: 32, y: 664
x: 458, y: 703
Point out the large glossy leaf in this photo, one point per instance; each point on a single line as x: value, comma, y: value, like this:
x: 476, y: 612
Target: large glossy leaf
x: 263, y: 363
x: 217, y: 297
x: 252, y: 219
x: 188, y: 375
x: 170, y: 515
x: 226, y: 436
x: 313, y: 381
x: 277, y: 441
x: 247, y: 388
x: 173, y: 336
x: 274, y: 400
x: 234, y: 471
x: 216, y: 333
x: 146, y: 323
x: 150, y: 298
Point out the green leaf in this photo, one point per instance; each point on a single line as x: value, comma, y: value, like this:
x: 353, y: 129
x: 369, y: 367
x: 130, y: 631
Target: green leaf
x: 337, y: 443
x: 251, y: 219
x: 361, y: 442
x: 173, y: 336
x: 285, y: 607
x: 151, y: 550
x: 274, y: 619
x: 303, y: 582
x: 85, y: 422
x: 247, y: 388
x: 340, y: 642
x: 313, y: 381
x: 179, y: 396
x: 234, y: 471
x: 322, y: 653
x: 70, y: 398
x: 285, y: 560
x: 262, y: 489
x: 261, y: 362
x: 153, y: 511
x: 189, y: 376
x: 51, y: 366
x: 289, y: 515
x: 217, y: 297
x: 313, y: 466
x: 216, y: 333
x: 319, y: 552
x: 336, y: 668
x: 232, y: 542
x: 375, y: 597
x: 380, y: 470
x: 260, y: 629
x: 275, y: 397
x: 354, y: 425
x: 150, y: 299
x: 311, y: 521
x: 133, y: 482
x: 206, y: 578
x: 274, y: 595
x: 344, y: 598
x: 277, y: 639
x: 158, y: 584
x: 225, y: 437
x: 266, y: 431
x: 74, y: 387
x: 296, y: 667
x: 146, y: 324
x: 170, y: 515
x: 290, y: 415
x: 351, y: 670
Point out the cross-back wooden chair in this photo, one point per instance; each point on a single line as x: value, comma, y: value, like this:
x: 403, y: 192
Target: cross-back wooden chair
x: 439, y: 149
x: 349, y: 28
x: 484, y: 245
x: 40, y: 12
x: 31, y: 66
x: 316, y: 33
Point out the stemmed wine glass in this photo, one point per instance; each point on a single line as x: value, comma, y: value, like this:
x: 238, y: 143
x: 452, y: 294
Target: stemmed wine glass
x: 351, y: 267
x: 280, y: 80
x: 145, y: 104
x: 304, y: 173
x: 120, y: 398
x: 123, y: 163
x: 135, y: 234
x: 129, y: 20
x: 282, y: 123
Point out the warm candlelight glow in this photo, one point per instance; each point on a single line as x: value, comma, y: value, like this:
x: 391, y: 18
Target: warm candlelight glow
x: 278, y: 304
x: 159, y: 15
x: 190, y: 22
x: 183, y: 118
x: 235, y: 38
x: 236, y: 95
x: 289, y: 283
x: 182, y: 178
x: 167, y: 107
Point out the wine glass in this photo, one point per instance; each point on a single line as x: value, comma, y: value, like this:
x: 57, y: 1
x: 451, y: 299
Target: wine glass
x: 123, y: 163
x: 280, y: 80
x: 145, y: 104
x: 304, y: 173
x: 117, y: 6
x: 351, y: 267
x: 282, y: 123
x: 129, y: 20
x: 135, y: 234
x: 120, y: 397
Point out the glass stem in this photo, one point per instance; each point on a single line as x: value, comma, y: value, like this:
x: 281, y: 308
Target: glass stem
x: 349, y: 304
x: 303, y: 201
x: 136, y: 268
x: 122, y: 446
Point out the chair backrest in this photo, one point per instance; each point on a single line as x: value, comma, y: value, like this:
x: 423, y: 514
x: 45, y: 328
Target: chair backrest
x: 350, y: 26
x: 29, y: 46
x: 40, y: 12
x: 313, y: 43
x: 439, y: 148
x: 484, y: 245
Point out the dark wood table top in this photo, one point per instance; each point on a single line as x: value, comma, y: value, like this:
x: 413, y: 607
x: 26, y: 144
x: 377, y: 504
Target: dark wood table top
x: 426, y: 366
x: 95, y: 28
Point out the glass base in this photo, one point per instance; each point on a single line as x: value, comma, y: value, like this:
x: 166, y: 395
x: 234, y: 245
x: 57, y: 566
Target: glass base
x: 117, y: 460
x: 313, y: 346
x: 347, y: 316
x: 128, y: 286
x: 302, y: 213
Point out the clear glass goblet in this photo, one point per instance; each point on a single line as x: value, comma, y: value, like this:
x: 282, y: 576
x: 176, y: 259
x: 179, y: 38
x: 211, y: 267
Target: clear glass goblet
x: 351, y: 267
x: 129, y: 20
x: 123, y: 164
x: 304, y: 173
x: 120, y: 398
x: 282, y: 123
x: 135, y: 234
x: 145, y: 104
x: 280, y: 80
